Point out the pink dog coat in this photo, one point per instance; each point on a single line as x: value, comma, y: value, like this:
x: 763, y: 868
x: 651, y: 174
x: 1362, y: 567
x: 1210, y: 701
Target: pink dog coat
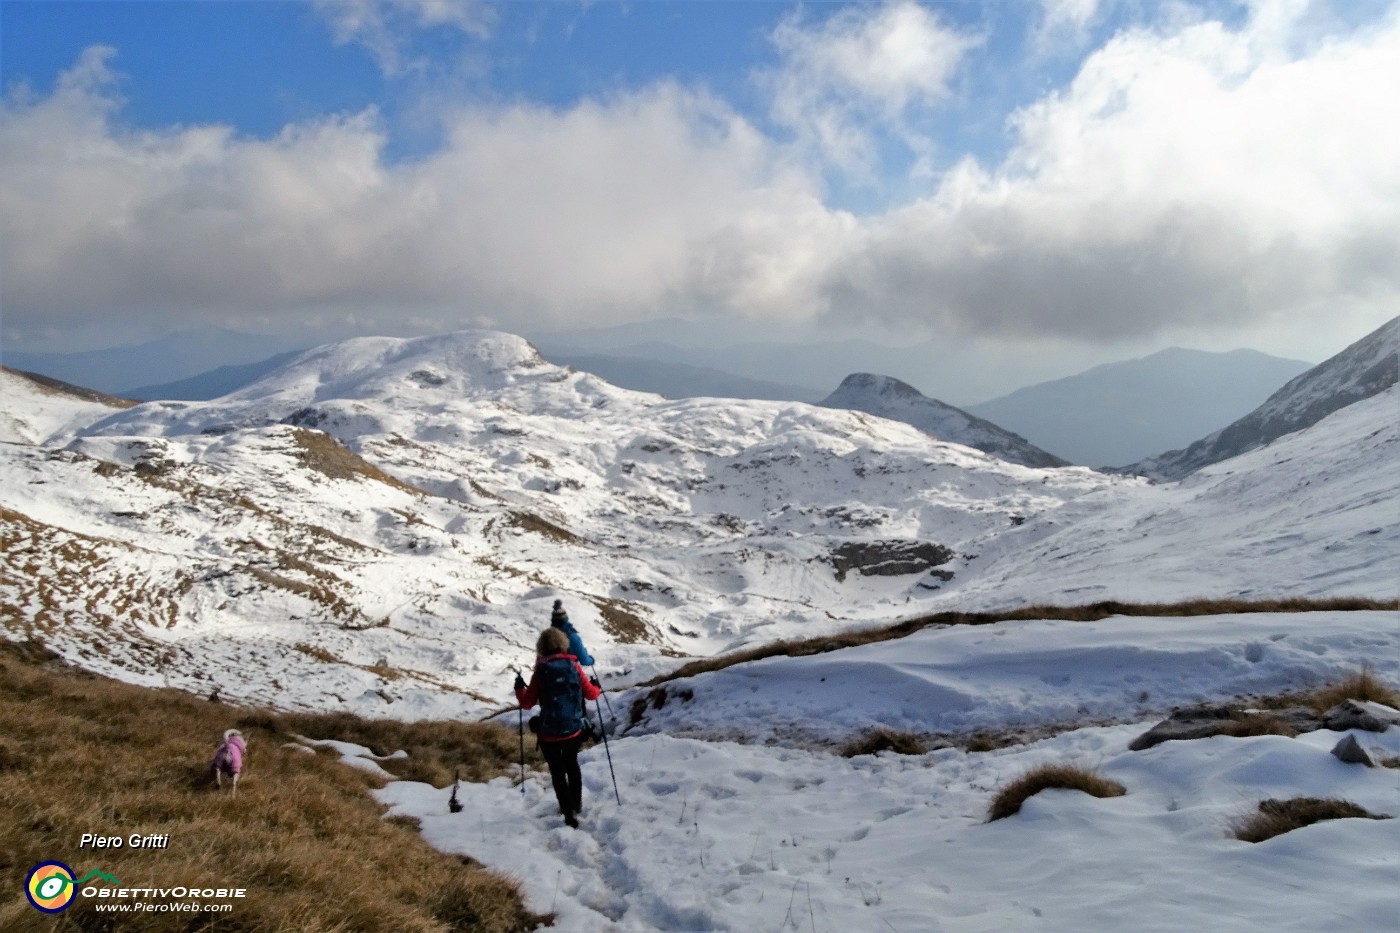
x: 229, y: 757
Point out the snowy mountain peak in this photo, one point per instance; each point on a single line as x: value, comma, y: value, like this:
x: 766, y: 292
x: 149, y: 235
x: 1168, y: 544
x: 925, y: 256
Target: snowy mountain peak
x: 457, y: 364
x: 880, y: 386
x: 887, y: 397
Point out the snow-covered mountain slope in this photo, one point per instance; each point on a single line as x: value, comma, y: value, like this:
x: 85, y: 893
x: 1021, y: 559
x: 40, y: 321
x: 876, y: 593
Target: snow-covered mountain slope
x: 383, y: 524
x: 1367, y: 367
x: 421, y: 503
x: 37, y: 408
x: 1313, y: 513
x: 889, y: 398
x: 1116, y: 413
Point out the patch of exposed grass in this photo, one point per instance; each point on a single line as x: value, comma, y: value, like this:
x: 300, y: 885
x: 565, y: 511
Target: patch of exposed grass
x: 1276, y: 817
x: 437, y: 751
x: 81, y: 754
x: 318, y: 451
x: 621, y: 620
x: 884, y: 740
x: 1257, y: 724
x: 528, y: 521
x: 1091, y: 612
x: 1047, y: 777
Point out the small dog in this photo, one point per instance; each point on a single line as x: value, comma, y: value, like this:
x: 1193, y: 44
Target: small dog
x: 228, y: 759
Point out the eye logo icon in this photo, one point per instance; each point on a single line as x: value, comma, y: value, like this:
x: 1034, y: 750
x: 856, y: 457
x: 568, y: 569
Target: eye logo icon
x: 50, y: 887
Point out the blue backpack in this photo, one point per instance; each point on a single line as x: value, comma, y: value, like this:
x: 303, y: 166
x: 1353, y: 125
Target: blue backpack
x: 561, y: 698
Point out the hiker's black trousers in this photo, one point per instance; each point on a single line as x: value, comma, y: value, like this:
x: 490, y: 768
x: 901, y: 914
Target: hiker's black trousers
x: 562, y: 758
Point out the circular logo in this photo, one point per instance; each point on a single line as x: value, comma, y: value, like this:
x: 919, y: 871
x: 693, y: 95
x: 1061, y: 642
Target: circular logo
x: 50, y: 887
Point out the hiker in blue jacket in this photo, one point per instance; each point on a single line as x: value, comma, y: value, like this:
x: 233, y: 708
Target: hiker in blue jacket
x: 560, y: 687
x: 560, y: 620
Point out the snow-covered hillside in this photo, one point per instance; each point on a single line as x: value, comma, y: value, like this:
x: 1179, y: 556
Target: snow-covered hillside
x: 889, y: 398
x: 382, y: 525
x: 37, y: 409
x: 1367, y: 367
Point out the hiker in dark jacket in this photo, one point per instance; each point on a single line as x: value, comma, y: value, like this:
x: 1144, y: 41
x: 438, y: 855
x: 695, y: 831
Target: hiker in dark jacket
x: 560, y: 687
x: 560, y: 620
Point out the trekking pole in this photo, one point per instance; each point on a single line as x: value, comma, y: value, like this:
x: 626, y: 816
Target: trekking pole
x: 522, y: 751
x: 519, y: 678
x: 608, y: 751
x: 611, y: 715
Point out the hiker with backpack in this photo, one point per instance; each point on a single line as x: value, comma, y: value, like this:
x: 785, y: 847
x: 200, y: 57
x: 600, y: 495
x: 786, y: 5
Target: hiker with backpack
x: 560, y: 687
x: 559, y: 618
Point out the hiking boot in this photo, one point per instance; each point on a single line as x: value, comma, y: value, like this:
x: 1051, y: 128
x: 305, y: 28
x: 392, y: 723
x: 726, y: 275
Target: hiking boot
x: 571, y: 819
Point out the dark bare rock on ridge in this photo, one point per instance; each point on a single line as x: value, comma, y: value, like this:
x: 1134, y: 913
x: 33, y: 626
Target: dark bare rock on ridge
x: 887, y: 558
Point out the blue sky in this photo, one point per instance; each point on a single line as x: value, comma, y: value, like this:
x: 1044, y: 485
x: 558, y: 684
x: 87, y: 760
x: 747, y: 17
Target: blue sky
x: 1083, y: 177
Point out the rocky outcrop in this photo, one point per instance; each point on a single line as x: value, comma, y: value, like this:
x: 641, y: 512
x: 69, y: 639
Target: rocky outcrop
x: 887, y: 558
x: 1200, y: 722
x: 1350, y: 751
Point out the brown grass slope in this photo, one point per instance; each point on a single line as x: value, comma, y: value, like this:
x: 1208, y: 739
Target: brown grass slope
x: 80, y: 754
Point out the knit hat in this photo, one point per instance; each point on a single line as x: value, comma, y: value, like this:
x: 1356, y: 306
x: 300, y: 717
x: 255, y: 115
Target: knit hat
x: 558, y: 615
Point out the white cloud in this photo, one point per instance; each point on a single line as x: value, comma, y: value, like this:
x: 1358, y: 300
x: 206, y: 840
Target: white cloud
x: 1197, y: 176
x: 863, y: 66
x: 1064, y: 26
x: 611, y: 210
x: 385, y: 27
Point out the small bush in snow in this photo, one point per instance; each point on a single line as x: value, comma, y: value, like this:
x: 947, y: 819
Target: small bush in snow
x: 1276, y: 817
x: 1049, y: 777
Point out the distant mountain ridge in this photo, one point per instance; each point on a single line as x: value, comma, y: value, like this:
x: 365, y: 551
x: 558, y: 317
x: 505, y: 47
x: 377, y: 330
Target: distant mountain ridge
x: 214, y: 383
x: 1364, y: 369
x: 170, y: 358
x: 1121, y: 412
x: 890, y: 398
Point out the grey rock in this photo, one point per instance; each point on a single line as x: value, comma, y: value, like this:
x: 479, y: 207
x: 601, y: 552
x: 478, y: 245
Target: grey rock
x: 1350, y: 751
x: 1359, y: 714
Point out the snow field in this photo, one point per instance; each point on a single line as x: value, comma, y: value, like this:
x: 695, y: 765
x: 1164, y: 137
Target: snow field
x: 718, y: 835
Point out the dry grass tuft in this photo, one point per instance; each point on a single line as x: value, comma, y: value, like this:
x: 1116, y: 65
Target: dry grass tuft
x: 1257, y: 724
x: 884, y: 740
x: 81, y: 754
x: 1276, y: 817
x: 1363, y: 685
x: 1047, y: 777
